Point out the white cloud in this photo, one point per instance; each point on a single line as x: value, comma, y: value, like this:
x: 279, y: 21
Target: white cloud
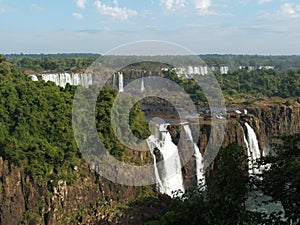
x: 172, y: 4
x: 81, y: 3
x: 2, y: 10
x: 78, y: 16
x: 288, y: 10
x: 203, y: 7
x: 260, y: 2
x: 203, y: 4
x: 115, y: 11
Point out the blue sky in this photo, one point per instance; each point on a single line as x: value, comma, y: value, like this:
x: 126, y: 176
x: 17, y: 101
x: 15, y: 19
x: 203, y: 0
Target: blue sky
x: 204, y: 26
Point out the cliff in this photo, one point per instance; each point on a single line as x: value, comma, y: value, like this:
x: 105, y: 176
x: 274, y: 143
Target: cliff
x: 26, y: 200
x: 269, y: 123
x: 93, y: 199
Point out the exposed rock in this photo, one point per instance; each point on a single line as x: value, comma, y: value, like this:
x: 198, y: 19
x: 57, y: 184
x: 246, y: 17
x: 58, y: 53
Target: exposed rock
x: 27, y: 200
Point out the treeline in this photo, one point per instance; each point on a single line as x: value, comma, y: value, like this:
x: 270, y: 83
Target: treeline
x: 61, y: 62
x: 245, y: 85
x: 54, y: 63
x: 280, y: 62
x: 260, y: 83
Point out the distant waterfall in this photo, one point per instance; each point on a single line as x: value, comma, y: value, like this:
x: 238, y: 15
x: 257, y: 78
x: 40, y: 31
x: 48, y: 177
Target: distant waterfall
x: 170, y: 178
x: 61, y: 79
x: 121, y: 80
x: 252, y: 149
x: 142, y: 85
x: 199, y: 158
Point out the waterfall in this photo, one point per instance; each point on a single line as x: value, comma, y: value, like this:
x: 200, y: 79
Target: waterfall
x: 150, y: 142
x: 257, y: 200
x: 62, y: 79
x: 252, y: 149
x: 199, y: 158
x: 170, y: 178
x: 121, y: 79
x: 142, y: 84
x: 34, y: 78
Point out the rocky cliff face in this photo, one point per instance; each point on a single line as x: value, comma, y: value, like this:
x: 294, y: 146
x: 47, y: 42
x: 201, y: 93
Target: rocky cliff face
x: 269, y: 122
x: 26, y: 200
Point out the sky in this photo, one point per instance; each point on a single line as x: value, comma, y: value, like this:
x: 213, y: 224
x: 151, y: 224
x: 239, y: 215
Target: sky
x: 268, y: 27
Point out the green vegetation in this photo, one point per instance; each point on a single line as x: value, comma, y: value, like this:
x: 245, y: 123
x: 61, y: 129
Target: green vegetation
x: 260, y: 83
x: 56, y: 62
x: 137, y: 122
x: 246, y: 86
x: 36, y: 125
x: 282, y: 181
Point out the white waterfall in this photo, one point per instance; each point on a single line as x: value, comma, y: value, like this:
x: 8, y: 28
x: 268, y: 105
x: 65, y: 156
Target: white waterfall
x: 199, y: 158
x: 170, y: 179
x: 142, y: 85
x: 34, y: 78
x: 257, y: 201
x: 253, y: 151
x: 121, y: 80
x: 61, y: 79
x: 150, y: 142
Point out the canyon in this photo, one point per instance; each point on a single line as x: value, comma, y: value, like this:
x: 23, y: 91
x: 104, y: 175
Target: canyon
x: 26, y: 200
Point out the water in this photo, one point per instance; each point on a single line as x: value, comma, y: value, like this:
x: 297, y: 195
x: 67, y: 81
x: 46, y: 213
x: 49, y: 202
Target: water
x: 253, y: 151
x: 170, y: 178
x: 150, y: 142
x: 142, y: 85
x: 121, y: 82
x: 61, y: 79
x: 198, y: 156
x: 257, y: 201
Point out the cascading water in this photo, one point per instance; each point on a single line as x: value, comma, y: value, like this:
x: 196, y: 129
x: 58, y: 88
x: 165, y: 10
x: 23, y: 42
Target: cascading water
x: 61, y: 79
x: 199, y: 158
x: 150, y: 142
x: 253, y: 151
x: 34, y: 78
x: 257, y: 201
x: 121, y: 79
x: 142, y: 85
x: 170, y: 179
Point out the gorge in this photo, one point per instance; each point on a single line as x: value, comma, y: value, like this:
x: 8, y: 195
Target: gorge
x: 37, y: 189
x: 20, y: 191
